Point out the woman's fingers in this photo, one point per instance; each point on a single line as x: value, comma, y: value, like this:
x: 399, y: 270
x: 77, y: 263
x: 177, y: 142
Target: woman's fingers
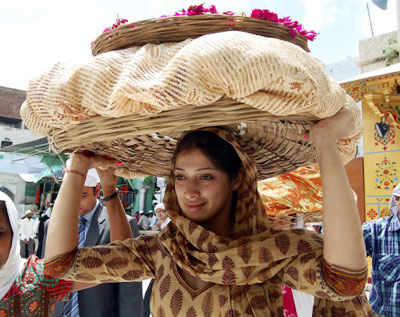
x: 339, y: 126
x: 95, y: 161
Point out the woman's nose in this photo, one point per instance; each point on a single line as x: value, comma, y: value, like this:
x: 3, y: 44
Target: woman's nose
x: 192, y: 189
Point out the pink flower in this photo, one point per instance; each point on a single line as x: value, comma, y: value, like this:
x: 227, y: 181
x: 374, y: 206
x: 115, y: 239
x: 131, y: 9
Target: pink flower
x: 197, y: 10
x: 294, y: 27
x: 311, y: 35
x: 270, y: 16
x: 213, y: 9
x: 179, y: 13
x: 285, y: 20
x: 292, y: 33
x: 303, y: 32
x: 256, y: 13
x: 292, y: 24
x: 264, y: 15
x: 229, y: 13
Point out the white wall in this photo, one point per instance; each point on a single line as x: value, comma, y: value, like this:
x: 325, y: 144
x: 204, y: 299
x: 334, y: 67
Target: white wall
x: 16, y: 135
x: 371, y: 48
x: 17, y: 186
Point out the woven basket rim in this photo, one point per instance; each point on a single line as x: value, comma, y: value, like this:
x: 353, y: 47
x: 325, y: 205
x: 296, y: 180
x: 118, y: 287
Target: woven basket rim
x: 155, y: 31
x: 70, y: 140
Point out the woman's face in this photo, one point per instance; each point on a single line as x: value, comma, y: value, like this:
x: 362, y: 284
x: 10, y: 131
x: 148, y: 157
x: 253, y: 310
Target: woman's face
x: 5, y: 236
x: 204, y: 192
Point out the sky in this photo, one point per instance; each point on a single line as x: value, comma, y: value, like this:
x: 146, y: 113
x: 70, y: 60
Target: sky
x: 37, y: 34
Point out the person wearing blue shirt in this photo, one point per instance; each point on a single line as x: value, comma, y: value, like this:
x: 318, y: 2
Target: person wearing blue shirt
x: 109, y: 299
x: 382, y: 242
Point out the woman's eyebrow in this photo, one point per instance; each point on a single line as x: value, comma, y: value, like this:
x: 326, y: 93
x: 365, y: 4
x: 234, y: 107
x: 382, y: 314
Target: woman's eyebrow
x: 198, y: 169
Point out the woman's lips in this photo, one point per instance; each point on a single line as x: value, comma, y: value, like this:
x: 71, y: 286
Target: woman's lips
x: 194, y: 207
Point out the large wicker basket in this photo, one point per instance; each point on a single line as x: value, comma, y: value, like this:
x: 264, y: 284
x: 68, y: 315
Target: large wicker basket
x: 134, y: 103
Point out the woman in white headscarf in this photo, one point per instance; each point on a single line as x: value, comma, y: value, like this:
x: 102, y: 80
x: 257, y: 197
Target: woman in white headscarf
x: 24, y: 289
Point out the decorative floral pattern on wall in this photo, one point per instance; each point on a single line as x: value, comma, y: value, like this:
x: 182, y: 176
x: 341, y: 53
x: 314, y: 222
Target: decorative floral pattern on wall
x: 376, y: 85
x: 380, y: 109
x: 372, y: 214
x: 386, y: 174
x: 389, y: 137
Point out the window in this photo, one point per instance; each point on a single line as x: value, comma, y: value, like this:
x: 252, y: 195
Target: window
x: 5, y: 143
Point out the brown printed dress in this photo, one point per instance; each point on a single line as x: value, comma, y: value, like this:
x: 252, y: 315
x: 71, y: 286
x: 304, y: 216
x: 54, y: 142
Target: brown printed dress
x: 243, y: 273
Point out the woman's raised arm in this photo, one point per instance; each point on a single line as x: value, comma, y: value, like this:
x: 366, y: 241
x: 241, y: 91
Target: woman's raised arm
x: 62, y: 234
x: 343, y: 239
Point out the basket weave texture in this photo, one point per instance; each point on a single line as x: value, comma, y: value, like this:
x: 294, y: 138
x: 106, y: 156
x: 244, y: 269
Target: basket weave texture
x: 180, y: 28
x: 134, y: 103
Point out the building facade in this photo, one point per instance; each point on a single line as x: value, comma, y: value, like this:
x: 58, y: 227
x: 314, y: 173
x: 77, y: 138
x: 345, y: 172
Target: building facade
x: 12, y: 131
x: 378, y: 90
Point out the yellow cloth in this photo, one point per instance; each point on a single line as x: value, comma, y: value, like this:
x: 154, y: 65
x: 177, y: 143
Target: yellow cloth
x: 299, y: 191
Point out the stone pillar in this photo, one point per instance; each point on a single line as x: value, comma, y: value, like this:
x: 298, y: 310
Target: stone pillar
x: 142, y: 196
x: 163, y: 185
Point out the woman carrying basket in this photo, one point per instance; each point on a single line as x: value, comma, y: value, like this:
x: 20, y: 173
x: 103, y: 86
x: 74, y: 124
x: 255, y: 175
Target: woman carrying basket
x: 218, y: 256
x: 165, y: 97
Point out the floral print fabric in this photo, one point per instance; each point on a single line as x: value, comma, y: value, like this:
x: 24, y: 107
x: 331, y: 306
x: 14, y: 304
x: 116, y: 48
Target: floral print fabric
x: 34, y: 294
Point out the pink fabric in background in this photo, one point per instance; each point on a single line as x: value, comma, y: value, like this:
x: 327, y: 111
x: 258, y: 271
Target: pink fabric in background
x: 289, y: 307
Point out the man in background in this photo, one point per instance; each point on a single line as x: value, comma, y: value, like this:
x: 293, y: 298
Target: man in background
x: 29, y: 224
x: 162, y: 216
x: 112, y: 299
x: 382, y: 242
x: 143, y: 221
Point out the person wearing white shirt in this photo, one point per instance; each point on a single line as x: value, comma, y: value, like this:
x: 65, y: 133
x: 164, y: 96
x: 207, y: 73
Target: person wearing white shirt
x: 28, y: 228
x: 143, y: 222
x: 152, y: 218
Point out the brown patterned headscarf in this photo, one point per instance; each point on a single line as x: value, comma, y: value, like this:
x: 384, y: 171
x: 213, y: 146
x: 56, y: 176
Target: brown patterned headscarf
x: 226, y: 260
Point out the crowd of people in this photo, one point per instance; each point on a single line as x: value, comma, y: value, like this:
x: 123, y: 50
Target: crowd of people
x: 32, y: 233
x: 154, y: 221
x: 96, y: 227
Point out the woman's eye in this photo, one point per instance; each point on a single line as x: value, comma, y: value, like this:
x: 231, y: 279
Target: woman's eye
x: 207, y: 177
x: 179, y: 177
